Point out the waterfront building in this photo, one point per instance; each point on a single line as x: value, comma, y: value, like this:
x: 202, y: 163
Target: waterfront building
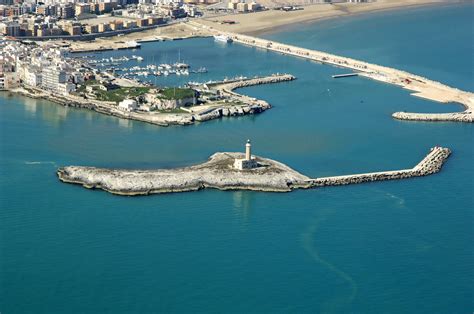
x: 10, y: 28
x: 106, y: 7
x: 92, y: 29
x: 66, y: 11
x: 248, y: 162
x: 128, y: 105
x: 116, y: 25
x: 82, y: 8
x: 65, y: 88
x: 33, y: 76
x: 242, y: 7
x: 129, y: 24
x: 142, y: 22
x: 52, y: 77
x: 73, y: 28
x: 103, y: 27
x: 11, y: 80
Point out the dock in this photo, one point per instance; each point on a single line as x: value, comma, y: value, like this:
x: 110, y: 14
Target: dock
x: 344, y: 75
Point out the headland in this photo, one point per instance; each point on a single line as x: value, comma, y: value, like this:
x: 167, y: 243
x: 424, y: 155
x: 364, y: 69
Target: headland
x: 223, y: 171
x: 216, y: 100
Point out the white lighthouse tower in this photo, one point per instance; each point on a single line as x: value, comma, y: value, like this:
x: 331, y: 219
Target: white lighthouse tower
x: 248, y: 162
x: 248, y: 150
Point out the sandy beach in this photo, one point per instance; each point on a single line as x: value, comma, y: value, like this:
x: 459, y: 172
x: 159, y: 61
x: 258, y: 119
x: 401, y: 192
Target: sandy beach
x: 267, y: 21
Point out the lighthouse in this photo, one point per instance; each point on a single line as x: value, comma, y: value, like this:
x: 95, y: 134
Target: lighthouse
x: 247, y: 162
x: 248, y: 150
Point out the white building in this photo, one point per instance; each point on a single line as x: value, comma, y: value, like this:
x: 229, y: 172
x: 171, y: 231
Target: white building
x: 33, y: 77
x: 52, y: 77
x: 128, y: 105
x: 66, y: 88
x: 248, y: 162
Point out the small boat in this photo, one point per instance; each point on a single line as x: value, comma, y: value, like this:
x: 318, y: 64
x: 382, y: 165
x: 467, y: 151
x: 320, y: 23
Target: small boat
x: 223, y: 38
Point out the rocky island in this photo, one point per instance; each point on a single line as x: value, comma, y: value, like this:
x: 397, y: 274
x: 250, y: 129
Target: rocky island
x: 231, y: 171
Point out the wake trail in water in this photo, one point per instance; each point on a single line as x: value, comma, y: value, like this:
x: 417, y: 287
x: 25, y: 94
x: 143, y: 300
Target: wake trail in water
x: 308, y: 245
x: 41, y: 163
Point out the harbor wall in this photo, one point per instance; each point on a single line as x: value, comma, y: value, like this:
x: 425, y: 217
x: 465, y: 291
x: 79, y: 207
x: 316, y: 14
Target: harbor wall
x: 432, y: 163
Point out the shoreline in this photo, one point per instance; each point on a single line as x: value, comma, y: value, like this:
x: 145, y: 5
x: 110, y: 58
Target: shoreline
x: 190, y: 115
x: 271, y: 21
x: 282, y: 28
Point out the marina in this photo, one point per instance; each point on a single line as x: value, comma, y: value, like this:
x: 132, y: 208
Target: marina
x: 420, y: 86
x: 117, y: 67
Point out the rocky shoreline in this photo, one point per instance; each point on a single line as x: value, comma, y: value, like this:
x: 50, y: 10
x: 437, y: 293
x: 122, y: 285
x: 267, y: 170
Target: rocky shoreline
x: 218, y: 173
x: 247, y: 106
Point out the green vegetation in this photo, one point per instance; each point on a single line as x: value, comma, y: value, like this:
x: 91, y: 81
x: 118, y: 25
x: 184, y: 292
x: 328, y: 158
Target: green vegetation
x: 177, y: 93
x: 116, y: 95
x: 121, y: 93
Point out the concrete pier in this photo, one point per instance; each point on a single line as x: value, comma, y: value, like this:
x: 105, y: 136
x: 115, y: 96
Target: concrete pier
x: 421, y: 87
x: 345, y: 75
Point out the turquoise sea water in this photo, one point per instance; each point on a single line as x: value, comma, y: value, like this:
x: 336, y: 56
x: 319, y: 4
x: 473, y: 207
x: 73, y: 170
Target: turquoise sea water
x: 389, y: 247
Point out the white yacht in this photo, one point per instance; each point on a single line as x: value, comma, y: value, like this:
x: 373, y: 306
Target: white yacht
x: 223, y: 38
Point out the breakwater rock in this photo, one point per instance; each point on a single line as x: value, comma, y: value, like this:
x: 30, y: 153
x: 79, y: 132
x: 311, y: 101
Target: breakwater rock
x: 465, y: 116
x: 274, y: 78
x: 432, y: 163
x: 218, y: 172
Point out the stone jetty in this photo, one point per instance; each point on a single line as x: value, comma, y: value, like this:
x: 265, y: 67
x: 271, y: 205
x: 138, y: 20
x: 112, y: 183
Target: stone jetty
x: 432, y: 163
x: 219, y: 173
x: 465, y: 116
x: 420, y: 86
x: 239, y: 83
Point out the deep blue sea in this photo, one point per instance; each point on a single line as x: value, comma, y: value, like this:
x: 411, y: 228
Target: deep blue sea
x: 387, y: 247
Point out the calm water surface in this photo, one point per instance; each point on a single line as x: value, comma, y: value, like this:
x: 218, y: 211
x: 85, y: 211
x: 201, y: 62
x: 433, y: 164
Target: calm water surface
x: 389, y: 247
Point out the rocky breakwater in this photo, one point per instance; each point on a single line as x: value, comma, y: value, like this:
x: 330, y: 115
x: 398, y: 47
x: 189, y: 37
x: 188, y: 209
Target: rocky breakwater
x: 432, y: 163
x: 218, y: 172
x: 274, y: 78
x: 465, y: 116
